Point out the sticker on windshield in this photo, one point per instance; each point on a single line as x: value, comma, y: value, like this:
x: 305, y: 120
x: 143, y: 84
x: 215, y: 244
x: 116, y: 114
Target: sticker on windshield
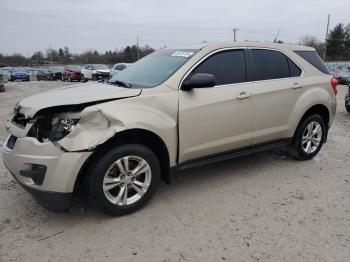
x: 182, y: 54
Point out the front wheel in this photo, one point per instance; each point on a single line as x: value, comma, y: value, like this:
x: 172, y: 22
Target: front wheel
x: 83, y: 79
x: 124, y: 179
x: 309, y: 138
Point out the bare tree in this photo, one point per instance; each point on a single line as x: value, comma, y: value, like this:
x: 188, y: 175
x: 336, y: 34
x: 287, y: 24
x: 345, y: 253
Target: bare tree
x: 312, y: 41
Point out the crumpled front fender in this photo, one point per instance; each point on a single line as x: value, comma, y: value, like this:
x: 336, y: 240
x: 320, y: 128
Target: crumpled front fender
x: 98, y: 123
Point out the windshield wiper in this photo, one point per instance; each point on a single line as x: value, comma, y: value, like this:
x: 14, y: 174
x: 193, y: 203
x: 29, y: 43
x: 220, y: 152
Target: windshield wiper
x: 121, y: 83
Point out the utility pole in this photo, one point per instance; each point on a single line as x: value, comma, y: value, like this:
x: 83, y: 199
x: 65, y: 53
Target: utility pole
x: 234, y: 33
x: 138, y: 47
x: 325, y: 41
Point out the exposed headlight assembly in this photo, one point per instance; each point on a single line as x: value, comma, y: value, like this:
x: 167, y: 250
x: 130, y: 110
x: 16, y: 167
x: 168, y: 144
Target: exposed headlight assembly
x: 53, y: 127
x: 60, y: 127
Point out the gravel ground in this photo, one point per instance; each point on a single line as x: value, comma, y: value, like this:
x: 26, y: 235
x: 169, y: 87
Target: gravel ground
x: 263, y: 207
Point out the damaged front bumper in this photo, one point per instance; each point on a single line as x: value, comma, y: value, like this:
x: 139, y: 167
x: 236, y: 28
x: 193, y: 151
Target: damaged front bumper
x: 44, y: 170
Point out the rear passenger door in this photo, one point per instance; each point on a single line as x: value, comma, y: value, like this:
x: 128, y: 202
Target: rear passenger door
x: 276, y: 87
x: 217, y: 119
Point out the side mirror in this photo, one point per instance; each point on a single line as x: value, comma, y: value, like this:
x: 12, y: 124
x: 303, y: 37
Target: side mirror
x: 198, y: 81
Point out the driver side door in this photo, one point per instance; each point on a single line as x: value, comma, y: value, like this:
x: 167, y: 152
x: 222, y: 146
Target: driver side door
x: 221, y: 118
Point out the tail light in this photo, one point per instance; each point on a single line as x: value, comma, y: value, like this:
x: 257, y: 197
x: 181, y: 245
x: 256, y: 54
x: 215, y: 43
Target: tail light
x: 334, y: 84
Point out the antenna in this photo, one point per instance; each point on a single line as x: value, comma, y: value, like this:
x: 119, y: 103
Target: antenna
x: 275, y: 41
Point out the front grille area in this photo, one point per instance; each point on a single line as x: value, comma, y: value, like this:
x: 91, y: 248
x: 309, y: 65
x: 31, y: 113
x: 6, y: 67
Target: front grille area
x: 19, y: 120
x: 11, y: 142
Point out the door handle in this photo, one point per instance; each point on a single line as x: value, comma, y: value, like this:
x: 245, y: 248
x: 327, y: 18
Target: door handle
x: 243, y: 96
x: 297, y: 86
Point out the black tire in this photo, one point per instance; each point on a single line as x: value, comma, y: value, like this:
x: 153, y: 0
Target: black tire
x: 347, y: 108
x: 296, y: 148
x: 83, y: 79
x: 347, y: 104
x: 105, y: 161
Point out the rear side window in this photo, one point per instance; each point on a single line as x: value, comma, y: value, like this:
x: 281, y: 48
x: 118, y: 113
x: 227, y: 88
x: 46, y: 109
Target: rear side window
x: 313, y: 58
x: 294, y: 69
x: 269, y: 64
x: 228, y: 67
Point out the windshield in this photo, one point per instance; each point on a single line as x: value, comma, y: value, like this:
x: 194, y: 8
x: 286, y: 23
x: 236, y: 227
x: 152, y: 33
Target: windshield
x: 100, y: 66
x: 153, y: 69
x: 18, y: 70
x: 56, y: 68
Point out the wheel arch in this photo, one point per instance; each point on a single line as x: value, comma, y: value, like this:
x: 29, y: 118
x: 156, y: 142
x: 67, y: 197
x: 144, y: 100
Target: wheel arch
x: 319, y: 109
x: 138, y: 136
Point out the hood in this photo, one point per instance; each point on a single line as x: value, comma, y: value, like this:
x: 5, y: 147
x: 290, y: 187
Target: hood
x: 74, y: 95
x: 103, y: 70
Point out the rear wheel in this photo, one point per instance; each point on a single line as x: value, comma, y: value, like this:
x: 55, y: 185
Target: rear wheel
x: 347, y: 107
x: 347, y: 102
x: 83, y: 79
x: 309, y: 137
x: 124, y: 179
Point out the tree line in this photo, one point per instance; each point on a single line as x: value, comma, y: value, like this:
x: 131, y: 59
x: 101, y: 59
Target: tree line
x: 63, y: 55
x: 337, y: 49
x: 337, y: 43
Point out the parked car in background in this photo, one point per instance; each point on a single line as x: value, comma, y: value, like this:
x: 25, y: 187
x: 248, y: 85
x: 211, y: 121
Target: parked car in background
x: 341, y: 73
x: 347, y: 100
x: 172, y: 110
x: 95, y: 72
x: 41, y: 74
x: 54, y: 73
x: 2, y: 84
x: 5, y: 74
x: 118, y: 68
x: 19, y: 74
x: 71, y: 73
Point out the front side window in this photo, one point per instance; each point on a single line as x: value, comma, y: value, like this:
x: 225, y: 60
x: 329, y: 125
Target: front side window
x: 228, y: 67
x: 269, y: 64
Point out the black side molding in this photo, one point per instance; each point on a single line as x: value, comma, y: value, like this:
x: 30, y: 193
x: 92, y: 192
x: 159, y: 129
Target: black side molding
x: 232, y: 154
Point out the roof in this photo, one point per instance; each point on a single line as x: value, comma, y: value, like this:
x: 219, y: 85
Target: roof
x: 248, y: 44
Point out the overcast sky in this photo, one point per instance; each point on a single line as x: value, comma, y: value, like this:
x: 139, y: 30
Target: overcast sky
x: 30, y: 25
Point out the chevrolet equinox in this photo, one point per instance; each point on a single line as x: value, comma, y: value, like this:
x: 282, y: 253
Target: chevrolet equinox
x: 172, y: 110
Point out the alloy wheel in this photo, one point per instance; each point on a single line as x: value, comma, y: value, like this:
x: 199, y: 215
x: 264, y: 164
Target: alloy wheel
x: 127, y: 180
x: 312, y: 137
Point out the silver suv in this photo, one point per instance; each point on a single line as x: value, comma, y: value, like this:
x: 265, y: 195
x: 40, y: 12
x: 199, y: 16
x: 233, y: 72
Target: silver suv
x: 172, y: 110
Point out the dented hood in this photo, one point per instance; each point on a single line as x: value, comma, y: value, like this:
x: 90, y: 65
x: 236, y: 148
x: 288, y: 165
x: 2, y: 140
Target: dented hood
x: 74, y: 95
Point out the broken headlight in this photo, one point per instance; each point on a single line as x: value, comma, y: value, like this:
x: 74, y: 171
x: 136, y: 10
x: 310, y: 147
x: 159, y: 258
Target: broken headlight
x: 53, y: 127
x: 61, y: 127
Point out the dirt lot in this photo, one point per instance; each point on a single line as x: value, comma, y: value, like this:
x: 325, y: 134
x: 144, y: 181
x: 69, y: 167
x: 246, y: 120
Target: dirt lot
x: 263, y: 207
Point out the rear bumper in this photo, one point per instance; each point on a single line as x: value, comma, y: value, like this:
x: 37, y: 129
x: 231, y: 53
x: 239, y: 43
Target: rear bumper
x: 13, y: 78
x: 75, y: 77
